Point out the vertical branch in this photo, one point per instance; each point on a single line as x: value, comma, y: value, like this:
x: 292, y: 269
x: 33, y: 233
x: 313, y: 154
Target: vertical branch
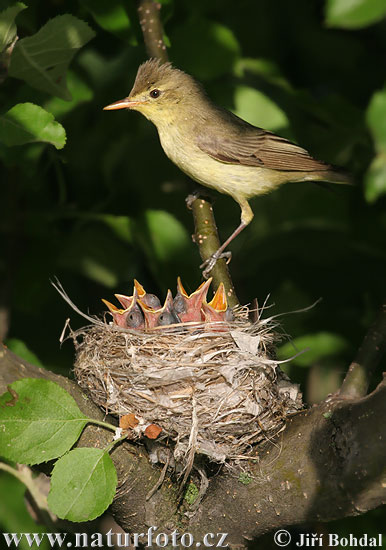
x: 207, y: 239
x: 206, y: 234
x: 151, y: 25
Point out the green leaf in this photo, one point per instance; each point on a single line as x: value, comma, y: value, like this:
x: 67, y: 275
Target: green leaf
x: 39, y: 421
x: 14, y: 514
x: 168, y: 235
x: 80, y: 92
x: 83, y: 484
x: 111, y: 16
x: 320, y: 344
x: 259, y: 109
x: 42, y: 59
x: 7, y: 24
x: 376, y: 119
x: 217, y: 45
x: 20, y: 348
x: 29, y: 123
x: 352, y: 14
x: 375, y: 178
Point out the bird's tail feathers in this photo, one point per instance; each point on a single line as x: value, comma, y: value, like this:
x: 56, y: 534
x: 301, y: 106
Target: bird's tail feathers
x: 330, y: 176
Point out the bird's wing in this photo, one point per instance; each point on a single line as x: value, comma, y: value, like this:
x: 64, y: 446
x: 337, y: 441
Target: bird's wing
x: 259, y: 148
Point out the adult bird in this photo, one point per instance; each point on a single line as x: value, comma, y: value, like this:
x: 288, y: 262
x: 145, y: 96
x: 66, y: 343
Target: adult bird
x: 215, y: 147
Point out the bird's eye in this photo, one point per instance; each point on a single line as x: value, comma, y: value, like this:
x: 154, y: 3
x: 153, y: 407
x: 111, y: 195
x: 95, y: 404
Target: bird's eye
x: 155, y: 93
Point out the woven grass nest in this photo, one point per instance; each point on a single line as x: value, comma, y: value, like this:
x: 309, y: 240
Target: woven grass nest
x: 211, y: 388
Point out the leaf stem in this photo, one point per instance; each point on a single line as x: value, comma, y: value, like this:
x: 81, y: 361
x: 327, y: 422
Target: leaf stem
x: 115, y: 442
x: 103, y: 424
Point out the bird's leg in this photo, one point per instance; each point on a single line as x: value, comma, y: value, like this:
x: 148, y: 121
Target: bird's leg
x: 246, y: 218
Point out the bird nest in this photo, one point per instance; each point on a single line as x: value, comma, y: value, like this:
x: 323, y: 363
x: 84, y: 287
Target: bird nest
x: 210, y: 390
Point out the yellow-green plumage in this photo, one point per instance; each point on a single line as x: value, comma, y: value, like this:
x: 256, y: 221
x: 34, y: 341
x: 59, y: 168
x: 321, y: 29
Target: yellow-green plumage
x: 213, y: 146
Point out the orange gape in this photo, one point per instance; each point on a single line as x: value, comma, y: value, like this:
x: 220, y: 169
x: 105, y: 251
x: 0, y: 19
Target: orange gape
x: 143, y: 311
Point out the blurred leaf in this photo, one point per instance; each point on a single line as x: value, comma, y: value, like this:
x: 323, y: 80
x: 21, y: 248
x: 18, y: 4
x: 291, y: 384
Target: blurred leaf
x: 168, y: 236
x: 83, y: 484
x: 80, y: 93
x: 20, y: 348
x: 13, y: 512
x: 42, y: 59
x: 217, y: 45
x: 121, y: 225
x: 7, y: 25
x: 264, y: 67
x: 112, y: 17
x: 319, y: 344
x: 375, y: 178
x: 352, y: 14
x: 258, y: 109
x: 376, y: 119
x: 94, y: 251
x: 29, y: 123
x: 40, y: 421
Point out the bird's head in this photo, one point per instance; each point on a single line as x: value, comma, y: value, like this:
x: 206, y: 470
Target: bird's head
x: 161, y: 92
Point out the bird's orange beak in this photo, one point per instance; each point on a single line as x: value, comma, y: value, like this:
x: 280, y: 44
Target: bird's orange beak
x: 122, y: 104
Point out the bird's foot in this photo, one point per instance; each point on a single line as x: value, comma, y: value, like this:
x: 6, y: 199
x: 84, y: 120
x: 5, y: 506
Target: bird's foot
x: 199, y: 193
x: 212, y: 260
x: 191, y: 198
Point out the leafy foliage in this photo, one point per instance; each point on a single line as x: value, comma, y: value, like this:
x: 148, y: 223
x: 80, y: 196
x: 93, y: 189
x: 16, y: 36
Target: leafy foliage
x: 41, y: 60
x: 8, y: 26
x: 28, y: 123
x: 351, y: 15
x: 83, y: 484
x: 40, y: 421
x: 376, y: 118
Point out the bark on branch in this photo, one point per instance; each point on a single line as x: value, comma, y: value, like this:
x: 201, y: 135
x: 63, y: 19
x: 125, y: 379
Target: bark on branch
x: 358, y: 376
x: 327, y: 464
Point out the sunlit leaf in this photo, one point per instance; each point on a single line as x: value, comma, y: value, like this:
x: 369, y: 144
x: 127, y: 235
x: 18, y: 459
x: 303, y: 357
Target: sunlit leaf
x: 80, y: 93
x: 318, y: 345
x: 353, y: 14
x: 29, y: 123
x: 111, y: 16
x: 217, y: 45
x: 39, y: 421
x: 7, y: 24
x: 83, y: 484
x: 22, y: 350
x: 258, y: 109
x: 376, y: 119
x: 120, y: 225
x: 42, y: 59
x: 375, y: 178
x: 167, y: 234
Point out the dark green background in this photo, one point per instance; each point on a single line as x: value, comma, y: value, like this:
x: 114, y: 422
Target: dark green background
x: 110, y: 206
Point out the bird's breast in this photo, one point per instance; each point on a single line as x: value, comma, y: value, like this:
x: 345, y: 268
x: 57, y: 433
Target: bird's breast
x: 232, y: 179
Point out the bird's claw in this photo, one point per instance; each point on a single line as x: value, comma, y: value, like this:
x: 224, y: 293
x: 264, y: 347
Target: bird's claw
x: 191, y: 198
x: 212, y: 260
